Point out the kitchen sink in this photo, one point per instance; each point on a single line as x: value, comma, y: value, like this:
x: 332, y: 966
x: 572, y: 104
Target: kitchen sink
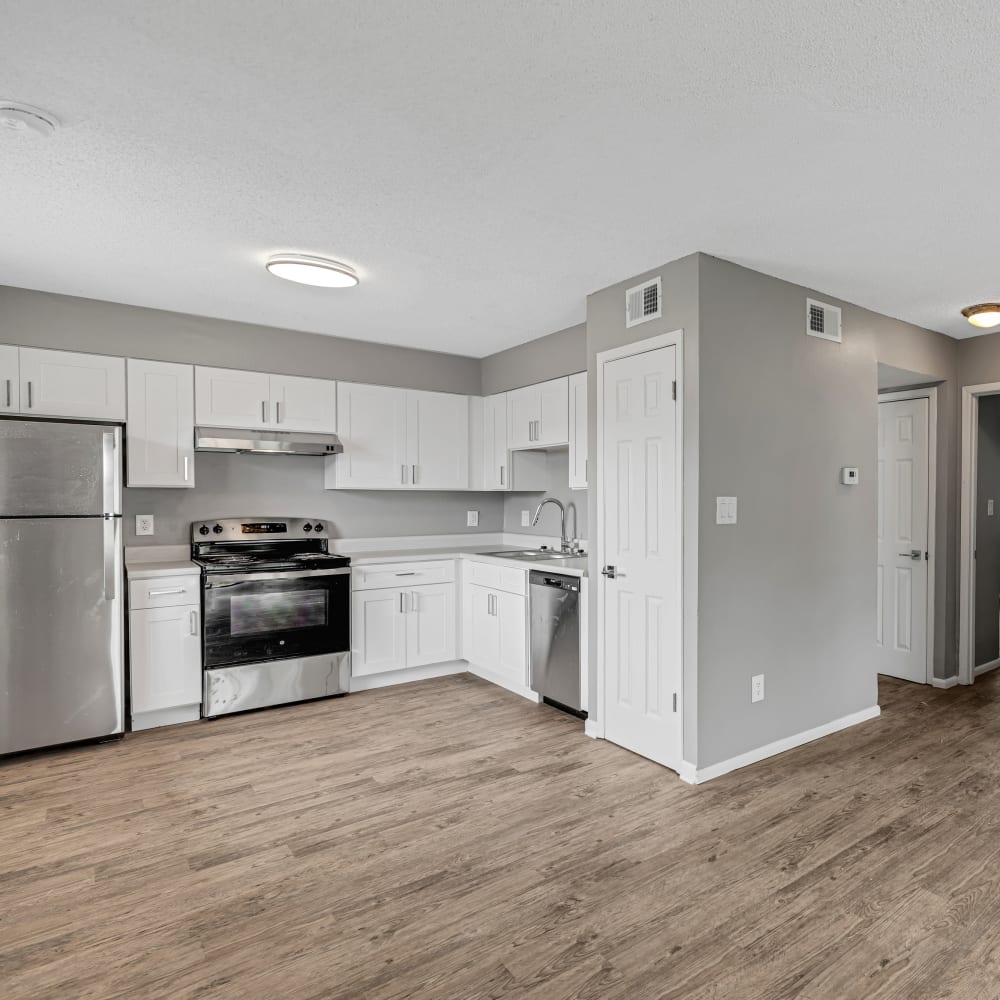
x: 536, y: 555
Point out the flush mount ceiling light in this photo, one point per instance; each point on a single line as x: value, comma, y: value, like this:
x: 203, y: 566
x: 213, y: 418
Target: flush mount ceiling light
x: 312, y: 270
x: 19, y: 117
x: 985, y: 315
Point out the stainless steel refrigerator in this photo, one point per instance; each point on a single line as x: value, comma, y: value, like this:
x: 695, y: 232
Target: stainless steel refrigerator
x: 61, y: 658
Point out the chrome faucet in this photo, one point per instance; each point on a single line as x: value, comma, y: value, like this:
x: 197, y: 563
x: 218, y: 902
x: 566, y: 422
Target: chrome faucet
x: 564, y: 544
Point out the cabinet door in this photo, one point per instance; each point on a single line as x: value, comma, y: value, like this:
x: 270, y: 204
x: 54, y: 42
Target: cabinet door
x: 371, y: 422
x: 63, y: 384
x: 437, y: 438
x: 227, y: 398
x: 304, y: 404
x: 430, y: 624
x: 553, y: 412
x: 578, y: 431
x: 10, y: 381
x: 512, y: 654
x: 378, y: 632
x: 483, y: 622
x: 160, y: 424
x: 496, y: 466
x: 523, y: 415
x: 165, y: 657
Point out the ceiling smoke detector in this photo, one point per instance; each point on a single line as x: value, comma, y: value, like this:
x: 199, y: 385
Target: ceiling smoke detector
x: 312, y: 270
x: 985, y: 315
x: 24, y: 118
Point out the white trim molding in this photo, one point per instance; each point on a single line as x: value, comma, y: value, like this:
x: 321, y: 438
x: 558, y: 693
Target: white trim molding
x: 944, y: 682
x: 405, y: 676
x: 703, y: 774
x: 985, y: 668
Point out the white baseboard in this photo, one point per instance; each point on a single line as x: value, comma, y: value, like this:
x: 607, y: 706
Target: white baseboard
x: 985, y: 668
x: 696, y: 777
x: 592, y: 729
x: 165, y: 717
x: 949, y: 682
x: 523, y: 690
x: 392, y: 677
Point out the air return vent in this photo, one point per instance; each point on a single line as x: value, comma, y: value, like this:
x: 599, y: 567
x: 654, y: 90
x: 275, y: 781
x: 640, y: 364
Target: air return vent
x: 823, y: 321
x: 643, y: 303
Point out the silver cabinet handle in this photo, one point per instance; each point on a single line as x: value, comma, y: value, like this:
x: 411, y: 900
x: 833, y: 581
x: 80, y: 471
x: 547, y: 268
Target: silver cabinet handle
x: 8, y: 394
x: 413, y: 601
x: 413, y: 478
x: 403, y: 475
x: 411, y: 573
x: 501, y: 475
x: 163, y: 593
x: 194, y: 622
x: 586, y: 470
x: 401, y: 602
x: 185, y: 468
x: 263, y: 411
x: 277, y: 413
x: 30, y: 403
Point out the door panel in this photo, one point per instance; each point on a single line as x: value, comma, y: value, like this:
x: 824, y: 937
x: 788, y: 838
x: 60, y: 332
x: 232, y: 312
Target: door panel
x: 553, y: 412
x: 304, y: 404
x: 63, y: 384
x: 437, y: 430
x: 165, y: 645
x: 430, y: 624
x: 10, y: 380
x: 902, y: 569
x: 642, y: 604
x: 484, y: 642
x: 224, y: 397
x: 371, y: 421
x: 378, y: 632
x: 160, y: 429
x: 61, y: 655
x: 523, y: 411
x: 497, y: 472
x: 512, y: 656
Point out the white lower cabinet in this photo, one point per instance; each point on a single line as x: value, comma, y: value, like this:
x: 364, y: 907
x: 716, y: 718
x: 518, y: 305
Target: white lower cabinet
x: 495, y: 623
x: 400, y: 627
x: 164, y: 651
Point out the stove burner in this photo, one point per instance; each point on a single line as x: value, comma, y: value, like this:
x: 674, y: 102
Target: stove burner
x: 232, y: 560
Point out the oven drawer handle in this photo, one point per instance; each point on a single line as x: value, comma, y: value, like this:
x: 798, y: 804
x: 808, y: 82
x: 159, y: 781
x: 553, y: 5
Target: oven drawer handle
x: 229, y: 581
x: 163, y: 593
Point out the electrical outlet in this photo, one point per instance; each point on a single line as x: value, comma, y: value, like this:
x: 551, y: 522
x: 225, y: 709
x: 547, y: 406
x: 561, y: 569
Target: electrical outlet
x: 144, y: 524
x: 525, y: 518
x: 472, y: 518
x: 757, y: 687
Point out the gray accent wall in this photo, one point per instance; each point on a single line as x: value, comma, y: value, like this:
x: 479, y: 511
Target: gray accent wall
x: 270, y: 485
x: 988, y: 533
x: 558, y: 354
x: 557, y: 486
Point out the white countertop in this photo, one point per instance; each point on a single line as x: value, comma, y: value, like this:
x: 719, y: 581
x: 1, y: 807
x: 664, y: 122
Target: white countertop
x: 147, y: 562
x: 567, y: 567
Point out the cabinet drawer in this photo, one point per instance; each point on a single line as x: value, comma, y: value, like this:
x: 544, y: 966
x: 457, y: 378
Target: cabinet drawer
x: 506, y: 578
x: 164, y: 592
x: 412, y: 574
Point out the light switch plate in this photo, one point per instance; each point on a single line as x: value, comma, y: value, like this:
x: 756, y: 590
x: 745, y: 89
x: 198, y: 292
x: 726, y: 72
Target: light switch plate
x: 725, y: 510
x: 144, y: 524
x: 525, y: 518
x: 472, y: 518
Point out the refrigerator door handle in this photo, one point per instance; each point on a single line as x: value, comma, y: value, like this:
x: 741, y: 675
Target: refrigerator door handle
x: 109, y: 474
x: 110, y: 562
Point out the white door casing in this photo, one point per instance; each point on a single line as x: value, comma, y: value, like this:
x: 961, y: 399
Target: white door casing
x: 642, y: 649
x: 902, y: 564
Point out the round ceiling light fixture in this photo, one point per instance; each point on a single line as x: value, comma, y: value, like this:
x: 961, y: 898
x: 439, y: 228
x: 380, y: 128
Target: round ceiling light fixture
x: 24, y: 118
x: 312, y: 270
x: 984, y: 315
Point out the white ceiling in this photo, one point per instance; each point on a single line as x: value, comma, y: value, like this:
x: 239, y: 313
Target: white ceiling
x: 486, y: 165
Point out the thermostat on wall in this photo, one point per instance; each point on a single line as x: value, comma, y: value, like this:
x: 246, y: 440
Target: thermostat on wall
x: 849, y: 475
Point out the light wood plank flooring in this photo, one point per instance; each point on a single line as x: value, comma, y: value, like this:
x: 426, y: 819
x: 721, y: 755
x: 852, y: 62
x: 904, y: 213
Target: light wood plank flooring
x: 450, y: 840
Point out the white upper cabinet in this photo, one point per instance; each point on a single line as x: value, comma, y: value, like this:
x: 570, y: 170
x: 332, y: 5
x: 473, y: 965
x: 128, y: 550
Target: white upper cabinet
x: 372, y: 426
x: 437, y: 440
x: 496, y: 460
x: 304, y: 404
x: 10, y: 380
x: 227, y: 398
x: 160, y: 424
x: 400, y: 439
x: 538, y: 415
x: 578, y: 431
x: 64, y: 384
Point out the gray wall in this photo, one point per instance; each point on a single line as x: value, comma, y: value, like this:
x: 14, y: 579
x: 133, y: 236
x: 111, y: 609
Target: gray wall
x: 266, y: 485
x: 557, y: 485
x: 558, y: 354
x: 988, y: 533
x: 62, y: 322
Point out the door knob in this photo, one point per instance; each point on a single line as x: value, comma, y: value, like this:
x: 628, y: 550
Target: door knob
x: 612, y: 573
x: 912, y: 554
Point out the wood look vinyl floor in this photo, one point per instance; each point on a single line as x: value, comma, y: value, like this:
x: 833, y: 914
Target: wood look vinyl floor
x: 450, y: 840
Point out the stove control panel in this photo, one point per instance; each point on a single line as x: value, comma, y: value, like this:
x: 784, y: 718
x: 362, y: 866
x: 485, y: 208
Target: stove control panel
x: 263, y: 529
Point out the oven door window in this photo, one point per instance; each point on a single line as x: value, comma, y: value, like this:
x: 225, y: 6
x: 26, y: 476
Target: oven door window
x: 255, y: 620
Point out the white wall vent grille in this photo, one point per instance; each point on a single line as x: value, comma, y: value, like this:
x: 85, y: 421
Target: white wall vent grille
x: 643, y: 303
x: 823, y: 321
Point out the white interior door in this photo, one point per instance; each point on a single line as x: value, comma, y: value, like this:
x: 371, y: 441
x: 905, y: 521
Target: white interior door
x: 642, y: 648
x: 901, y: 613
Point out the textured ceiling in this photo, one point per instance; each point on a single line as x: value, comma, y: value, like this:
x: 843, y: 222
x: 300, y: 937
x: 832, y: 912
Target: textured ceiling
x: 486, y: 165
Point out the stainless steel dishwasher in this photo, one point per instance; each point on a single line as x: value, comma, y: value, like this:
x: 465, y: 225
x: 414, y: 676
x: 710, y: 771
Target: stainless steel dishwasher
x: 555, y: 640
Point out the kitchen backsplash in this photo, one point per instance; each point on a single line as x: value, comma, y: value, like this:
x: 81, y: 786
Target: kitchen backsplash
x: 557, y: 477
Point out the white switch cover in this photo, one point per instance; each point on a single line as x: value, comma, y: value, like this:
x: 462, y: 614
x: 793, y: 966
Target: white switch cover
x: 757, y: 687
x: 725, y: 510
x: 989, y: 508
x: 144, y: 524
x: 525, y: 518
x: 472, y: 518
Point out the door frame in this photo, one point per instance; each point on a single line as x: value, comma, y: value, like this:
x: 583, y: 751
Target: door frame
x: 596, y: 727
x: 967, y: 534
x: 930, y: 394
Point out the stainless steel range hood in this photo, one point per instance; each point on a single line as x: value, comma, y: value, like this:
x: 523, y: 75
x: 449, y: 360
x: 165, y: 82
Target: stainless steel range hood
x: 265, y: 442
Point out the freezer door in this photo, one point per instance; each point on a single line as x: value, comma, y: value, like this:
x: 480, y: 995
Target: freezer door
x: 50, y: 469
x: 61, y: 676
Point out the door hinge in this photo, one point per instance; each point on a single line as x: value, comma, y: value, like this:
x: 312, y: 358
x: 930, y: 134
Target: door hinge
x: 675, y: 701
x: 674, y: 389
